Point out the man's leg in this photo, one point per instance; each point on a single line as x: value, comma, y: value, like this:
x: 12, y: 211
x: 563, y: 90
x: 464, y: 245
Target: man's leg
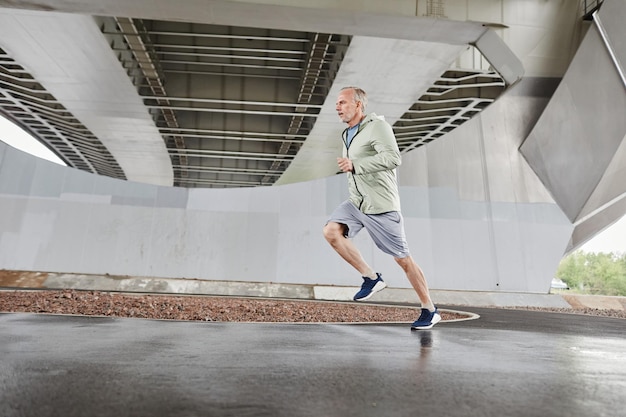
x: 372, y: 281
x: 334, y: 234
x: 417, y: 280
x: 429, y: 316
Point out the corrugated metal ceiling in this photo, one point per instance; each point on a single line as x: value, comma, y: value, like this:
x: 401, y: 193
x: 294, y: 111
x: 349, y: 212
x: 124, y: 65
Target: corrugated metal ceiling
x: 233, y: 105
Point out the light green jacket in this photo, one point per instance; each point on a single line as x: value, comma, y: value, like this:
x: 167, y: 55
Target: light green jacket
x: 375, y: 155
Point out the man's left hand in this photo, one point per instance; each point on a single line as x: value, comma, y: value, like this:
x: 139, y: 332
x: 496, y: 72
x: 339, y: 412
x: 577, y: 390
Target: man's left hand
x: 345, y: 165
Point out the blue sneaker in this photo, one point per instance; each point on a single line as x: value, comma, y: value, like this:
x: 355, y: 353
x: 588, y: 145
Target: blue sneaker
x: 370, y: 287
x: 426, y: 320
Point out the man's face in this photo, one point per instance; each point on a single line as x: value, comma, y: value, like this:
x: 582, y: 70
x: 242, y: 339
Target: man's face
x: 348, y: 111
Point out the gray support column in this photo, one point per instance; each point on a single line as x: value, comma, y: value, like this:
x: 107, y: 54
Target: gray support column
x: 577, y: 146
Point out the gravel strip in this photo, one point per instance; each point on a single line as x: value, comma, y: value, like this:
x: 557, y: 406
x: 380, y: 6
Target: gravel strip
x: 620, y: 314
x: 204, y: 308
x: 227, y: 309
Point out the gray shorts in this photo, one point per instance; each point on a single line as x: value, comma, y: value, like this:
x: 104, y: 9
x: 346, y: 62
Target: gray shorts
x: 386, y: 229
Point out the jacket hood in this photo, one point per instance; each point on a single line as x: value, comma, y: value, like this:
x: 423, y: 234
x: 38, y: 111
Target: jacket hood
x: 368, y: 118
x: 371, y: 117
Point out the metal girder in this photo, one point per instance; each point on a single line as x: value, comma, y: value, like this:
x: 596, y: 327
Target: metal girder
x: 139, y: 44
x: 227, y: 134
x: 452, y: 100
x: 24, y: 101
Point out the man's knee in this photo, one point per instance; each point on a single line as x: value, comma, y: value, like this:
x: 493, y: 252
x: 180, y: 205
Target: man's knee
x: 404, y: 262
x: 333, y: 231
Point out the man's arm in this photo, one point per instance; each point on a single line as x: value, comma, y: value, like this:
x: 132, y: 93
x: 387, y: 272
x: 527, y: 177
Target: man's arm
x: 386, y: 155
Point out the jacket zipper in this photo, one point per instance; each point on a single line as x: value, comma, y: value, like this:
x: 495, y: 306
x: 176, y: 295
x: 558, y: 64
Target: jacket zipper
x: 345, y: 142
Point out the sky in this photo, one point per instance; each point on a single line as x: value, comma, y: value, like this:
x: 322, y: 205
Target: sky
x: 612, y: 239
x: 19, y: 139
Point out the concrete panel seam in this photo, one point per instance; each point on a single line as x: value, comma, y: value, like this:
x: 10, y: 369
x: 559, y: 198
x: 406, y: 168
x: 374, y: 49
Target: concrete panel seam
x: 605, y: 40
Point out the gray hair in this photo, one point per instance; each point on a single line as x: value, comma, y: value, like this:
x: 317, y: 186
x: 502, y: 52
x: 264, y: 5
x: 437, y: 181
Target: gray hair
x: 359, y: 95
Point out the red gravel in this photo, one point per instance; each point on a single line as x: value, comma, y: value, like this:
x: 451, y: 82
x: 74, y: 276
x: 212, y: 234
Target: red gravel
x: 587, y: 311
x: 203, y: 308
x: 225, y: 309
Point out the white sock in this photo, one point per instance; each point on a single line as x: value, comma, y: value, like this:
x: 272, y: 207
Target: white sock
x: 371, y: 274
x: 429, y: 305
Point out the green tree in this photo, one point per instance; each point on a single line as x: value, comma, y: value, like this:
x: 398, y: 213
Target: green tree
x: 602, y: 270
x: 572, y: 270
x: 594, y: 273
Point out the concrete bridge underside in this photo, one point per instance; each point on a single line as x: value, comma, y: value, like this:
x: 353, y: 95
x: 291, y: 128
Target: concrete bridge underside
x: 492, y: 197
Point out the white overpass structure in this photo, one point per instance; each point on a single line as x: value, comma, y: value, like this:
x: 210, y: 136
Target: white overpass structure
x: 201, y: 135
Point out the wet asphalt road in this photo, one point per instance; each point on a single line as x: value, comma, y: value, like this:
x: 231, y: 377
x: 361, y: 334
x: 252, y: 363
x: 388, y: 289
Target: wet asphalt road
x: 507, y: 363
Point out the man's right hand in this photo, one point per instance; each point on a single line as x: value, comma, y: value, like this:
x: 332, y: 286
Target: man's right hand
x: 345, y: 165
